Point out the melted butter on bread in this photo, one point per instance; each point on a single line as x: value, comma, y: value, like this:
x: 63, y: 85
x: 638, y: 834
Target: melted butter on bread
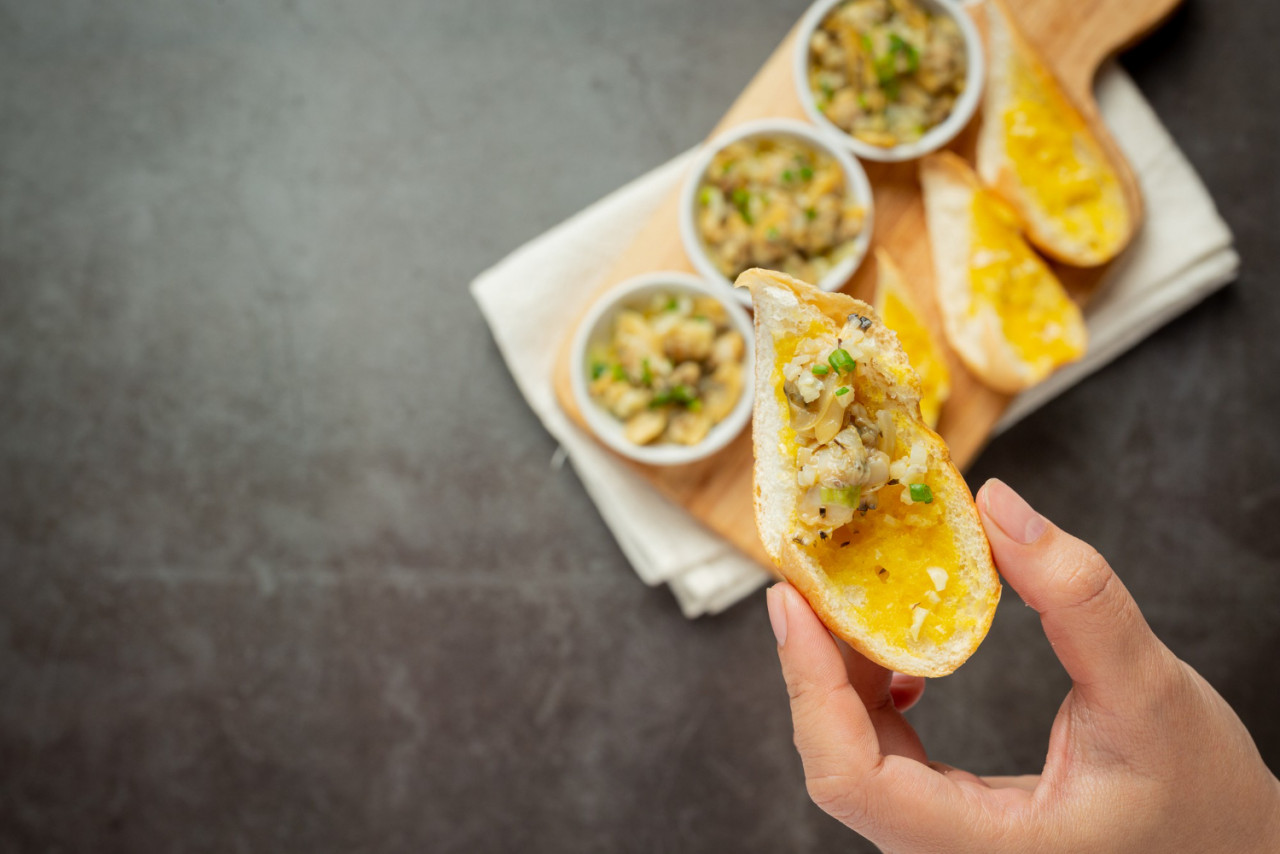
x: 907, y: 582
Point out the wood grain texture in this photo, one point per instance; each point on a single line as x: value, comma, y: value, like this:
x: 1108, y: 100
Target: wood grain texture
x: 1074, y: 37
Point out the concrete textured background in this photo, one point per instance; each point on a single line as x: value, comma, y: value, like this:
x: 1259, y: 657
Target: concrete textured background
x: 283, y: 566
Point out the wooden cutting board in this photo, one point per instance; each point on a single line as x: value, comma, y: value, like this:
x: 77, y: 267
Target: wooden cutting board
x: 1074, y: 37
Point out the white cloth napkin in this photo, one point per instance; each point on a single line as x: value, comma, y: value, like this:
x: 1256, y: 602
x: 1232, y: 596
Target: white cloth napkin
x: 1183, y: 253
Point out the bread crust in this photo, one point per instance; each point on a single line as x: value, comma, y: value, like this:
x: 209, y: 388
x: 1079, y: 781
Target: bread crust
x: 776, y: 491
x: 1007, y: 47
x: 977, y: 338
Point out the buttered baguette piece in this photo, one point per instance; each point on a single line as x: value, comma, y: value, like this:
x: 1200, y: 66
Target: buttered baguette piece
x: 1004, y: 312
x: 1037, y: 152
x: 856, y: 499
x: 901, y: 313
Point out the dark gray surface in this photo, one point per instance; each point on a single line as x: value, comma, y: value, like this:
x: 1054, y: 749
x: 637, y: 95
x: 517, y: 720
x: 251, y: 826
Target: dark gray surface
x: 283, y: 566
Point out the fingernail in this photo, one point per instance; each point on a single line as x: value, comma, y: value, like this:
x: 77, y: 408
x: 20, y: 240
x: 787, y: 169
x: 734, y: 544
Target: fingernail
x: 1012, y: 514
x: 774, y: 596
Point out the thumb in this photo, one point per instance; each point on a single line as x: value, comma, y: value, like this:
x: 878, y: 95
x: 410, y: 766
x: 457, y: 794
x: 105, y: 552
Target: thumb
x: 1093, y: 623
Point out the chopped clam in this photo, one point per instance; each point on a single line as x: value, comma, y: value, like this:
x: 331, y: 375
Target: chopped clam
x: 777, y: 202
x: 646, y: 426
x: 671, y: 369
x: 689, y: 428
x: 886, y: 72
x: 689, y: 339
x: 727, y: 349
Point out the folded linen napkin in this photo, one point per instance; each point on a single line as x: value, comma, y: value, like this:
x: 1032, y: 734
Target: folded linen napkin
x: 1183, y: 253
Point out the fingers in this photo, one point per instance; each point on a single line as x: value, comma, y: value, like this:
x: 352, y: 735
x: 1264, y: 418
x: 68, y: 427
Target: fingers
x: 1094, y: 625
x: 848, y: 777
x: 874, y: 685
x: 833, y: 732
x: 1025, y: 782
x: 906, y: 690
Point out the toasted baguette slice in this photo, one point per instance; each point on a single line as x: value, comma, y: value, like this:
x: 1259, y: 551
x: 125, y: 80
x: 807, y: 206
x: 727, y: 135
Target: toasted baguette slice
x: 1037, y: 152
x: 908, y: 584
x: 894, y: 303
x: 1004, y: 312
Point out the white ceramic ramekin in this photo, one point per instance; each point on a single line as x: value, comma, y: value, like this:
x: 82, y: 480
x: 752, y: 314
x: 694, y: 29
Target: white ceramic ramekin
x: 596, y: 326
x: 937, y: 136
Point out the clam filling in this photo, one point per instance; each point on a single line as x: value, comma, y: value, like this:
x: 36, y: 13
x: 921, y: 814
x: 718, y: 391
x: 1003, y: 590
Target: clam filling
x: 670, y: 369
x: 847, y: 449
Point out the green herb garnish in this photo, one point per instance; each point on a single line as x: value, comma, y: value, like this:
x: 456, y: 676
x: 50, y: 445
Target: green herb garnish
x: 672, y: 304
x: 646, y: 376
x: 598, y: 369
x: 846, y: 497
x: 706, y: 195
x: 806, y: 172
x: 684, y: 394
x: 619, y: 373
x: 841, y: 361
x: 772, y: 234
x: 899, y: 46
x: 811, y: 214
x: 842, y: 391
x: 788, y: 175
x: 742, y: 201
x: 821, y: 370
x: 921, y: 492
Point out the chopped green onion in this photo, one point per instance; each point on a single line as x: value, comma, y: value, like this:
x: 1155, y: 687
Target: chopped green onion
x: 840, y: 392
x: 821, y: 370
x: 706, y: 195
x: 788, y: 175
x: 728, y: 167
x: 921, y: 492
x: 806, y: 172
x: 742, y: 201
x: 772, y: 234
x: 811, y: 214
x: 828, y: 92
x: 646, y: 376
x: 598, y: 369
x: 846, y: 497
x: 902, y: 47
x: 684, y: 394
x: 672, y: 304
x: 619, y: 373
x: 841, y: 361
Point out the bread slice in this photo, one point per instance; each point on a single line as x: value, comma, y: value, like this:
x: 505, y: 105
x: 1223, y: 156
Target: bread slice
x: 1037, y: 152
x: 908, y: 584
x: 1004, y: 312
x: 894, y: 303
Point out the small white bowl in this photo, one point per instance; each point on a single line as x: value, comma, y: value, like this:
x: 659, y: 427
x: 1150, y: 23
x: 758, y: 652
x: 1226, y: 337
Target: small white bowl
x: 937, y: 136
x: 596, y: 325
x: 855, y: 182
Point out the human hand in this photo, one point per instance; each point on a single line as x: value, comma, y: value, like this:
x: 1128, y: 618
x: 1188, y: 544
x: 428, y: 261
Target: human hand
x: 1143, y: 756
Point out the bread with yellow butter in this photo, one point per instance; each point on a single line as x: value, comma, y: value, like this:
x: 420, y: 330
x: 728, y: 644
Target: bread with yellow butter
x: 1036, y: 151
x: 856, y: 500
x: 900, y: 311
x: 1004, y: 312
